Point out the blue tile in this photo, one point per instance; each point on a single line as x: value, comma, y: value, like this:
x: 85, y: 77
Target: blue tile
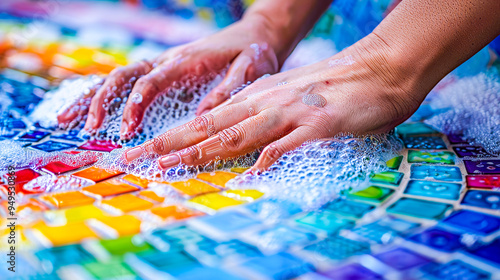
x: 489, y: 252
x: 206, y: 273
x: 438, y: 239
x: 228, y: 221
x: 348, y: 208
x: 474, y: 222
x: 279, y: 266
x: 424, y: 142
x: 323, y: 220
x: 338, y: 247
x: 436, y: 172
x: 434, y: 189
x: 65, y: 255
x: 273, y: 208
x: 173, y: 263
x: 482, y: 199
x: 402, y: 259
x: 455, y: 270
x: 352, y: 272
x: 281, y: 237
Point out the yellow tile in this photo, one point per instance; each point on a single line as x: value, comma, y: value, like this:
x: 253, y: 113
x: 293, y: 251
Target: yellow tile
x: 67, y: 234
x: 68, y: 199
x: 124, y: 225
x: 174, y: 212
x: 244, y: 194
x: 218, y: 178
x: 143, y: 183
x: 96, y: 174
x: 215, y: 201
x: 80, y: 213
x: 193, y: 187
x: 239, y: 170
x: 128, y: 202
x: 110, y: 187
x: 152, y: 195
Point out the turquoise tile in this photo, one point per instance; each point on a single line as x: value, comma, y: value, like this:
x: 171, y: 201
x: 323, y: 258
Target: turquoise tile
x: 434, y: 189
x: 419, y: 208
x: 323, y: 220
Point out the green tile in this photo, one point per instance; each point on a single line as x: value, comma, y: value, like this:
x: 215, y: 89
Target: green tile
x: 127, y: 244
x: 395, y: 162
x: 112, y: 269
x: 442, y: 157
x: 388, y: 177
x: 372, y: 194
x: 419, y: 208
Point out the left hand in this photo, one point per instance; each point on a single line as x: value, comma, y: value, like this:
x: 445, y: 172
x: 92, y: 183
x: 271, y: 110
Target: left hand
x: 359, y: 91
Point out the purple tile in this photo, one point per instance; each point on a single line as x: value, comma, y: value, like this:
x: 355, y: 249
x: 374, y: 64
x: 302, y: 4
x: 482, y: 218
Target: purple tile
x: 402, y: 259
x: 482, y: 166
x: 456, y: 139
x: 471, y: 151
x: 438, y: 239
x: 351, y: 272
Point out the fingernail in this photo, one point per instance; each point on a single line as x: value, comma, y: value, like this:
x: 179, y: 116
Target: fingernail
x: 169, y: 161
x: 123, y: 129
x: 204, y: 112
x: 134, y: 153
x: 89, y: 124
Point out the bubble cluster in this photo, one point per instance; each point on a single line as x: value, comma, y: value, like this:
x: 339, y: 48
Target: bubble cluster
x: 470, y: 107
x: 319, y: 171
x: 51, y: 183
x: 13, y: 154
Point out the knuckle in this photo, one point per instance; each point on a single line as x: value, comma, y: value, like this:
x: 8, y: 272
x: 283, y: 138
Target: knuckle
x: 159, y: 145
x: 191, y: 155
x: 274, y: 151
x: 203, y: 124
x: 232, y: 138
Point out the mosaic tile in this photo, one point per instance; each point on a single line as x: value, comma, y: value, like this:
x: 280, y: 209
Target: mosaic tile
x: 482, y: 199
x: 96, y: 174
x: 128, y: 202
x: 274, y: 209
x: 53, y: 146
x: 372, y: 194
x: 112, y: 269
x: 76, y: 214
x: 436, y: 172
x: 483, y: 181
x: 402, y: 259
x: 228, y: 221
x: 109, y: 187
x: 427, y: 142
x: 122, y: 225
x: 59, y: 236
x: 193, y: 187
x: 68, y: 199
x: 244, y: 194
x: 471, y: 151
x: 488, y: 252
x: 100, y: 146
x: 279, y: 266
x: 438, y: 239
x: 71, y: 135
x: 443, y: 157
x: 351, y: 272
x: 65, y: 255
x: 455, y: 269
x: 482, y: 166
x: 434, y: 189
x: 323, y: 220
x: 124, y: 245
x: 419, y: 208
x: 207, y: 273
x: 474, y: 222
x: 395, y: 162
x: 348, y: 208
x: 338, y: 247
x: 415, y: 129
x: 174, y: 212
x: 32, y: 136
x: 173, y: 263
x: 219, y: 178
x: 215, y: 201
x: 152, y: 195
x: 388, y: 177
x: 24, y: 175
x: 58, y: 167
x: 280, y: 237
x: 143, y: 183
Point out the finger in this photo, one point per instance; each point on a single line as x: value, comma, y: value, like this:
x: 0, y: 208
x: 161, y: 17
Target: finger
x: 249, y: 65
x: 69, y: 114
x: 275, y: 150
x: 117, y: 84
x: 241, y: 138
x: 191, y: 133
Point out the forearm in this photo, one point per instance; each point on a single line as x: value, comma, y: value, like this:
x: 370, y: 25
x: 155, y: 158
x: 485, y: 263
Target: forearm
x: 429, y: 38
x: 286, y: 21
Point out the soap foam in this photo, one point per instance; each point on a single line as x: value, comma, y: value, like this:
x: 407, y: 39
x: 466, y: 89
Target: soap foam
x: 470, y: 106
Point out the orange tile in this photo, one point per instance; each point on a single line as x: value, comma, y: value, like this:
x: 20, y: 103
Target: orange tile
x: 96, y: 174
x: 174, y: 212
x: 110, y: 187
x: 67, y: 234
x: 67, y: 199
x: 151, y: 195
x: 128, y: 202
x: 124, y: 225
x: 193, y: 187
x: 218, y: 178
x: 143, y: 183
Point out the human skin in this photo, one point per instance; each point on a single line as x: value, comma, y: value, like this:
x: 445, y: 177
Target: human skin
x: 369, y: 87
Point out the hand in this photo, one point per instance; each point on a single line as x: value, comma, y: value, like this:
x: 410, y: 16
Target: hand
x: 359, y: 91
x: 243, y: 46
